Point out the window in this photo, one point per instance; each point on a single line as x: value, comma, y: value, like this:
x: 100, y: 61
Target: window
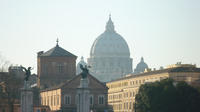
x: 51, y: 100
x: 58, y: 100
x: 54, y: 102
x: 60, y: 68
x: 44, y: 101
x: 101, y: 99
x: 67, y: 99
x: 45, y: 68
x: 38, y: 110
x: 48, y: 100
x: 91, y: 99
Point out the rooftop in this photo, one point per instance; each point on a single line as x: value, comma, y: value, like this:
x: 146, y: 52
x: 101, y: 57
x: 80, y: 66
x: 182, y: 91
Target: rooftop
x: 56, y: 51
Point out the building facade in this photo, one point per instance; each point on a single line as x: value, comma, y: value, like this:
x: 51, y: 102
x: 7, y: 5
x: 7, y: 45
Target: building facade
x: 110, y: 55
x: 121, y: 93
x: 64, y: 97
x: 55, y: 66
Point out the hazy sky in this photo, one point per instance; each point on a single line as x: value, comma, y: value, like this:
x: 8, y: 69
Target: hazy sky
x: 162, y: 31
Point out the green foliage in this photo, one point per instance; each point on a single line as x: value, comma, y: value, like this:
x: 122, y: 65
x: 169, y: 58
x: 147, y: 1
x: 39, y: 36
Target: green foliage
x: 167, y: 96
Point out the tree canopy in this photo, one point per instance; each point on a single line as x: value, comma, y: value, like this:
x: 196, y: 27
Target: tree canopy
x: 10, y: 90
x: 167, y: 96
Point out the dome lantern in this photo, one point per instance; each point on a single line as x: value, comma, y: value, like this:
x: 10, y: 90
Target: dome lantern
x: 110, y: 26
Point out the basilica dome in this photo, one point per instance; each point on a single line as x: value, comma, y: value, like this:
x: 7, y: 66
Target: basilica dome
x: 109, y: 55
x: 109, y: 44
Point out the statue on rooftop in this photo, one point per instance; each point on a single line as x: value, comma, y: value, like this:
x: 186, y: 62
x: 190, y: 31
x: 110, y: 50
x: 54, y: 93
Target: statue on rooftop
x: 84, y: 72
x: 27, y: 72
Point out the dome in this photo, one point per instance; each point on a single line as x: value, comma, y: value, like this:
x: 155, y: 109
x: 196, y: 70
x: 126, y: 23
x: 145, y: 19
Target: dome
x: 141, y: 66
x: 78, y: 69
x: 110, y: 44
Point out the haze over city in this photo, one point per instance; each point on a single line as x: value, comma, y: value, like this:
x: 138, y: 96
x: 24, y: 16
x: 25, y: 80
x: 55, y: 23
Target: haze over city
x: 163, y: 32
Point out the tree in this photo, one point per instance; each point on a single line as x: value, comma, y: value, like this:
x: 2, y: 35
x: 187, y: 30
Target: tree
x: 167, y: 96
x: 4, y: 64
x: 10, y: 90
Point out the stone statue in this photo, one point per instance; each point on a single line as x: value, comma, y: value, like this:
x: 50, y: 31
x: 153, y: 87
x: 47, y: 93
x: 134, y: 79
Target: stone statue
x: 84, y: 72
x: 27, y: 72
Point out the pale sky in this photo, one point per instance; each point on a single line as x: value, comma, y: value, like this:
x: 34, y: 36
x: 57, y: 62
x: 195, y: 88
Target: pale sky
x: 162, y: 31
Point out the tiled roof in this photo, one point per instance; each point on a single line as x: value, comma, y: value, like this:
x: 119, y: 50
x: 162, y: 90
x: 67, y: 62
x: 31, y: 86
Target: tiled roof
x: 68, y: 81
x: 58, y: 51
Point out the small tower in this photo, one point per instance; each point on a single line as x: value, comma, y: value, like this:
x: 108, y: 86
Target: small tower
x: 55, y: 66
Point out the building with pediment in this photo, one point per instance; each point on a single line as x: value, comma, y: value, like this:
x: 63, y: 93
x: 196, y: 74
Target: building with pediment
x: 64, y: 96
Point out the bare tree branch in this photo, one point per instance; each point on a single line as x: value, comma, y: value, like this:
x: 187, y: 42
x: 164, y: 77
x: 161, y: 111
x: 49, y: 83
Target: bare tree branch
x: 4, y: 64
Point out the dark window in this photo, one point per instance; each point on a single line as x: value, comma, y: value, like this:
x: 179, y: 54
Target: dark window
x: 91, y: 100
x: 101, y: 99
x: 60, y: 68
x: 67, y: 99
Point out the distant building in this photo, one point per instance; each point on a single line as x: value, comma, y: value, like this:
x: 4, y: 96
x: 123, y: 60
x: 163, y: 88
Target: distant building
x: 109, y: 55
x: 17, y: 70
x: 55, y: 66
x: 64, y: 96
x: 141, y: 66
x: 19, y: 73
x: 78, y: 69
x: 121, y: 93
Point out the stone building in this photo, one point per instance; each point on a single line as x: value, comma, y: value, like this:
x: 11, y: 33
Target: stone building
x: 110, y: 55
x: 55, y: 66
x: 121, y: 93
x: 64, y: 96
